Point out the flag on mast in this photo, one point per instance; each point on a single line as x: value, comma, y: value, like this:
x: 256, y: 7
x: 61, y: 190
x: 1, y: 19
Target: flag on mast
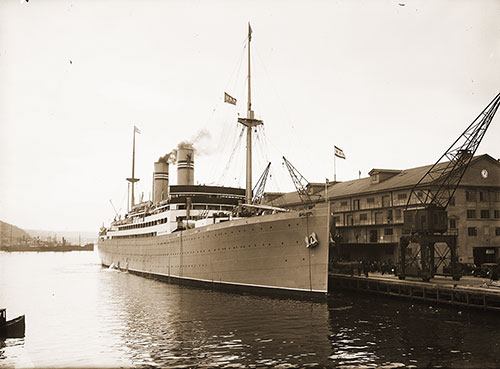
x: 339, y: 153
x: 229, y: 99
x: 137, y: 129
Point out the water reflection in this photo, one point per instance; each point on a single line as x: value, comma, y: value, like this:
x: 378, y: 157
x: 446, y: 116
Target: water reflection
x: 214, y: 329
x: 81, y: 315
x: 381, y: 331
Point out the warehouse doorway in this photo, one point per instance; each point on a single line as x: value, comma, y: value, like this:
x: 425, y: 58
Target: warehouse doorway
x: 485, y: 254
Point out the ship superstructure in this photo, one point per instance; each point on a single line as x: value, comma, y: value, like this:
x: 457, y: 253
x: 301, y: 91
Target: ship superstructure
x: 176, y: 207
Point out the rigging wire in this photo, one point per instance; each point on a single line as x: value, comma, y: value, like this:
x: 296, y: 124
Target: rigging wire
x: 262, y: 157
x: 294, y: 137
x: 227, y: 127
x: 226, y: 169
x: 275, y: 177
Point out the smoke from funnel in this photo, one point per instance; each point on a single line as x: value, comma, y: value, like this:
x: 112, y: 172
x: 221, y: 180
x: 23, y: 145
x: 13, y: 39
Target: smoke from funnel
x: 199, y: 144
x: 170, y: 158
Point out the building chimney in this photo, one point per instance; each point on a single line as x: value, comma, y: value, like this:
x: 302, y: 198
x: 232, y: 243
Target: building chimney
x: 185, y: 166
x: 160, y: 181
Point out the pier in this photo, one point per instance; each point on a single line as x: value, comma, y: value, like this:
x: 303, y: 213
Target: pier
x: 469, y: 292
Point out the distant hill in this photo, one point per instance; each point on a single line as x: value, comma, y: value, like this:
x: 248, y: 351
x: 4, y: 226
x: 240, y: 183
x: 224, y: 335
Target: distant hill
x: 70, y: 236
x: 10, y: 234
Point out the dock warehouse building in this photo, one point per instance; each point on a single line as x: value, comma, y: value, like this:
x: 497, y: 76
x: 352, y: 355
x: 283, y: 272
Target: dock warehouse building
x: 368, y: 212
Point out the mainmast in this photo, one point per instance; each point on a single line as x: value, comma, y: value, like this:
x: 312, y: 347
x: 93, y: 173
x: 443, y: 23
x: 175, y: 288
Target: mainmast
x: 133, y: 179
x: 249, y: 122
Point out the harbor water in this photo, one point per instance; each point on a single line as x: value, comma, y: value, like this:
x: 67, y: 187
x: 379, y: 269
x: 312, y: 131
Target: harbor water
x: 79, y: 314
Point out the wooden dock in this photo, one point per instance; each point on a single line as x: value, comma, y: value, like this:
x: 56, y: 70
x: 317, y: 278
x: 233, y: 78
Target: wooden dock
x: 469, y: 292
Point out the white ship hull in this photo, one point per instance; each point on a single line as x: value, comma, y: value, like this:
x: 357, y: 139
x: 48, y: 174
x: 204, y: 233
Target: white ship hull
x: 267, y: 252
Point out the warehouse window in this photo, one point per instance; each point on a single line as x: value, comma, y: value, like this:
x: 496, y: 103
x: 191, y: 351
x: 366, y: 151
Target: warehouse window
x: 397, y: 213
x: 355, y: 204
x: 497, y: 195
x: 402, y: 196
x: 483, y: 196
x: 471, y: 214
x: 343, y: 203
x: 363, y: 216
x: 496, y: 214
x: 470, y: 195
x: 387, y: 231
x: 485, y: 214
x: 350, y: 220
x: 370, y: 200
x: 472, y: 231
x: 453, y: 223
x: 497, y: 231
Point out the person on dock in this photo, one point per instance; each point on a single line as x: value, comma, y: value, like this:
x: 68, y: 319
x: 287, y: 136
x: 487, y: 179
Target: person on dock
x: 364, y: 268
x: 494, y: 273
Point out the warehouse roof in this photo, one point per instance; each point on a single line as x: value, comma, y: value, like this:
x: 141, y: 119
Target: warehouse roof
x: 393, y: 179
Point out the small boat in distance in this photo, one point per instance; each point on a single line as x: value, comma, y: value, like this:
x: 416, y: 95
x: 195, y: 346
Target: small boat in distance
x: 11, y: 328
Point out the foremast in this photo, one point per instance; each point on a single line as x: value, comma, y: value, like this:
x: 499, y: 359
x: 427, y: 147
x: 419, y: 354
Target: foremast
x: 132, y: 180
x: 249, y: 122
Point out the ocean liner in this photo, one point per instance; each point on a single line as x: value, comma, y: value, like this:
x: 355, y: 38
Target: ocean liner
x: 215, y: 235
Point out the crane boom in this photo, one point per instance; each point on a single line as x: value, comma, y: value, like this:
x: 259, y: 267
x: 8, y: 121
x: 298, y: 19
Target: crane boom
x: 425, y: 216
x: 300, y: 183
x: 258, y: 190
x: 444, y: 177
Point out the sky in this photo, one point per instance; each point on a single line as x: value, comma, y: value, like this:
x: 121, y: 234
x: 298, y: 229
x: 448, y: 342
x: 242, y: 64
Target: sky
x: 391, y: 83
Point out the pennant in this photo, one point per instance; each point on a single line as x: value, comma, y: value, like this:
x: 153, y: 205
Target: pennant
x: 339, y: 153
x: 137, y: 129
x: 229, y: 99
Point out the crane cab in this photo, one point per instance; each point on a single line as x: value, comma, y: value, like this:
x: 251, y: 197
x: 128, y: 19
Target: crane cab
x: 428, y: 220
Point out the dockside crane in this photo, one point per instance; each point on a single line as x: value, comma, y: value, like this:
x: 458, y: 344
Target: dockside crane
x: 300, y: 183
x: 258, y: 190
x: 425, y: 215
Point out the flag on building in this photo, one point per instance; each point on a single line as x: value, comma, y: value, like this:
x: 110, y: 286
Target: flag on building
x: 137, y: 129
x: 229, y: 99
x: 339, y: 153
